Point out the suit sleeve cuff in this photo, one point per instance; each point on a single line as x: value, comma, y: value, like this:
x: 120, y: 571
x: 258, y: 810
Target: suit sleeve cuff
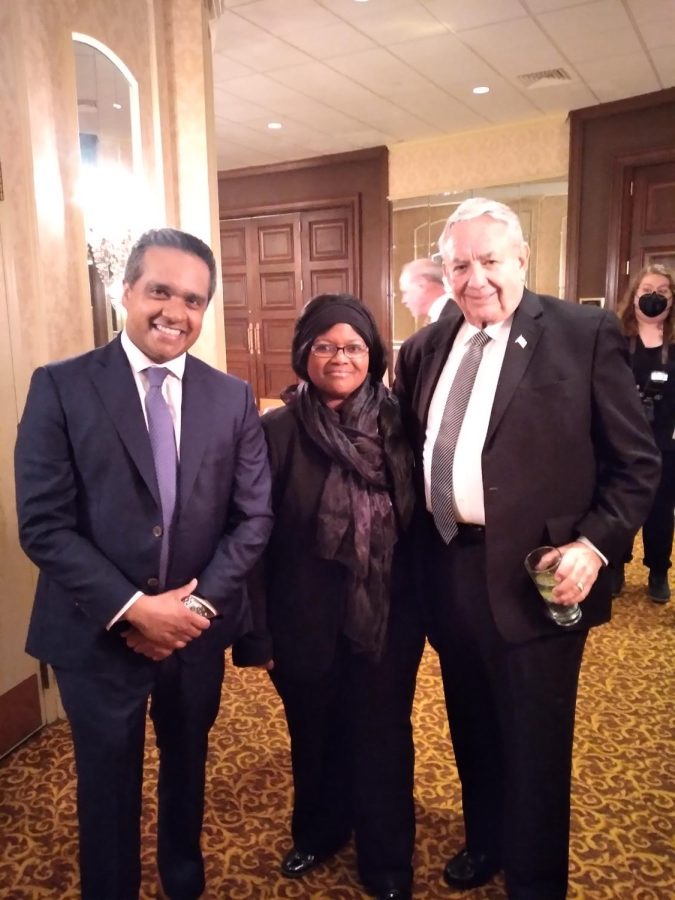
x: 591, y: 546
x: 126, y: 606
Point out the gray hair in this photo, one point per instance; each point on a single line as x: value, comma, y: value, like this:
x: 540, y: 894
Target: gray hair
x: 174, y: 240
x: 481, y: 206
x: 430, y: 269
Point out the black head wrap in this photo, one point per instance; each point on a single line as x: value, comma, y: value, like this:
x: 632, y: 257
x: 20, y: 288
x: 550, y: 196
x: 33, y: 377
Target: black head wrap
x: 326, y: 310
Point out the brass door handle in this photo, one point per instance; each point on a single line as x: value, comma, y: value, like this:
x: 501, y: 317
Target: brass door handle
x: 249, y: 338
x: 257, y: 338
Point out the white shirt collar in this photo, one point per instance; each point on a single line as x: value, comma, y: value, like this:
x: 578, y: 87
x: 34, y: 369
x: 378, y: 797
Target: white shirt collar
x: 139, y: 361
x: 497, y: 330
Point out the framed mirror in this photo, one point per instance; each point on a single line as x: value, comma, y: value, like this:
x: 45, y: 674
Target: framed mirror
x: 109, y: 139
x: 417, y: 224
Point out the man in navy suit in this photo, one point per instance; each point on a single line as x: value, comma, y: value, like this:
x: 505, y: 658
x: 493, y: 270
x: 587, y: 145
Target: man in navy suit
x: 115, y: 566
x: 552, y: 449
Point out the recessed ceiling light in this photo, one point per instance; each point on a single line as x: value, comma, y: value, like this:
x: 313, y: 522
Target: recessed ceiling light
x: 275, y: 126
x: 481, y: 89
x: 117, y: 106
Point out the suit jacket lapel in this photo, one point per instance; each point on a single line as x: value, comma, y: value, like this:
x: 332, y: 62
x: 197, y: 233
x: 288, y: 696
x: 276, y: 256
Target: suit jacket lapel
x: 114, y: 382
x: 433, y: 361
x: 196, y: 419
x: 525, y: 333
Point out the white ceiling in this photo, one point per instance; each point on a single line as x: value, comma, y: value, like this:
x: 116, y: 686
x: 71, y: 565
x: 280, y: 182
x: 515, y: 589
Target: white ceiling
x: 344, y: 75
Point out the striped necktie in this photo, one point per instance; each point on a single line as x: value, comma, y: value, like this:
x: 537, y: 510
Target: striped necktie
x: 163, y: 442
x: 443, y: 454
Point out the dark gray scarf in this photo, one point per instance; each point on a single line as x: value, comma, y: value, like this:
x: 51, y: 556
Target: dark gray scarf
x: 366, y: 498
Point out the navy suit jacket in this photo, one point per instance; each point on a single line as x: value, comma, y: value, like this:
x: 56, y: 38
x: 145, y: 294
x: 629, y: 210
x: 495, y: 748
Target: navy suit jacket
x: 88, y: 502
x: 568, y: 450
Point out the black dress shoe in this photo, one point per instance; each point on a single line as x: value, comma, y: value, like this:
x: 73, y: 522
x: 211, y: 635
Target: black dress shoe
x: 469, y: 870
x: 296, y: 863
x: 395, y: 894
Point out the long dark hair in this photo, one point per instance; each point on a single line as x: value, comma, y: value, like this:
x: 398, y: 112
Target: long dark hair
x: 626, y: 309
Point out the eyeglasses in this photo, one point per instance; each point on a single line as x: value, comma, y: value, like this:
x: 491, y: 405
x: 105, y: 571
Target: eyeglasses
x: 327, y: 350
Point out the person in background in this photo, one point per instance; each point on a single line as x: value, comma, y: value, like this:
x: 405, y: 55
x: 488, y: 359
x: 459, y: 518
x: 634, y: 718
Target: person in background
x: 527, y: 431
x: 648, y: 321
x: 423, y: 291
x: 143, y: 497
x: 336, y: 629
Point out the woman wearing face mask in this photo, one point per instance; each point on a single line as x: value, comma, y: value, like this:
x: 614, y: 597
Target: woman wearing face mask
x: 648, y: 320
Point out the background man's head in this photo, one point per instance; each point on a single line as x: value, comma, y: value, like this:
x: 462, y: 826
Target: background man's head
x: 421, y: 282
x: 169, y: 280
x: 485, y: 259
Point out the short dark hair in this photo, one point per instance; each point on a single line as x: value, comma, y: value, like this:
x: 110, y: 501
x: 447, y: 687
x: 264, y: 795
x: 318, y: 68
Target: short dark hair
x: 174, y: 240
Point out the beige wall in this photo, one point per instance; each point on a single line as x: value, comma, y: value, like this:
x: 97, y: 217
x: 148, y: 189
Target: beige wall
x: 45, y: 298
x: 508, y: 154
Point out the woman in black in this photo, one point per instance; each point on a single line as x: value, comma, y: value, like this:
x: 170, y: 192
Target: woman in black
x: 334, y: 618
x: 648, y: 320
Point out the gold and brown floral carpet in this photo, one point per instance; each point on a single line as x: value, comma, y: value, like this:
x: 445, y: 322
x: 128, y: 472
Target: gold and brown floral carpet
x: 623, y: 825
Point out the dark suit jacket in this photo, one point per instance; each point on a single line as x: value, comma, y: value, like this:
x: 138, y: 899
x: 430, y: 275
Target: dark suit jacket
x: 88, y: 502
x: 567, y: 452
x: 297, y: 597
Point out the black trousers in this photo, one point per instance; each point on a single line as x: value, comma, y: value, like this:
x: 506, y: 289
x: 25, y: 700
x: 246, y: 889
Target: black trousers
x: 107, y: 712
x: 353, y: 758
x: 657, y: 531
x: 511, y: 713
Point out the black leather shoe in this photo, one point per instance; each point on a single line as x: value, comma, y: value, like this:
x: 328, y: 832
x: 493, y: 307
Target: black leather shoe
x: 657, y: 587
x: 469, y: 870
x: 395, y: 894
x: 296, y: 863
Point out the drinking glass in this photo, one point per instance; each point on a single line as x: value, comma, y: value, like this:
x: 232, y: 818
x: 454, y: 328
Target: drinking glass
x: 542, y: 564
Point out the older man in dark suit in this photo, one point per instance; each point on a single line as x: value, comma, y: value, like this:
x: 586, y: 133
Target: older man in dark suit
x: 528, y: 431
x: 142, y: 479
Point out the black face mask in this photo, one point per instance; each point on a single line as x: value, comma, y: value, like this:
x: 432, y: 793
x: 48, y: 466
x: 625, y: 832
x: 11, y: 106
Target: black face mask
x: 652, y: 304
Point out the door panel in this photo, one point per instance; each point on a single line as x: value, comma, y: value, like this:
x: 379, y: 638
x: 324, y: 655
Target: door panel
x: 653, y: 216
x: 271, y: 266
x: 328, y: 261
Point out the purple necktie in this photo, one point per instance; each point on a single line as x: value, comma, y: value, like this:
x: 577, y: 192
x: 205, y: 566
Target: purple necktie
x: 163, y: 441
x: 443, y: 455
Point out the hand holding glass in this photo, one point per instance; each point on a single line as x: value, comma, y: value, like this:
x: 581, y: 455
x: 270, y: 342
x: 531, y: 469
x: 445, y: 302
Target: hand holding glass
x: 542, y: 564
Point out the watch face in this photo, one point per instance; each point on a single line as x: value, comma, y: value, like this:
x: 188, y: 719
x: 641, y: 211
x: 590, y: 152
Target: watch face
x: 199, y: 606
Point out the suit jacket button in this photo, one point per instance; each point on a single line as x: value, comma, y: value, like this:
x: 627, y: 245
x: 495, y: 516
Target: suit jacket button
x: 157, y: 531
x: 153, y: 582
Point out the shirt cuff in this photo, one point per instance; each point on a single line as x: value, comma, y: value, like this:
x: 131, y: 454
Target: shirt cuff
x: 126, y: 606
x: 591, y: 546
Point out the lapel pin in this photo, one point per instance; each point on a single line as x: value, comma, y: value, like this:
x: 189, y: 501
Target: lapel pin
x: 520, y: 340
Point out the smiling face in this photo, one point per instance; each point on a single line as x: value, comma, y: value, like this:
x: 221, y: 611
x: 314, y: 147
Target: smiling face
x: 337, y: 377
x: 658, y: 284
x: 166, y: 305
x: 486, y: 267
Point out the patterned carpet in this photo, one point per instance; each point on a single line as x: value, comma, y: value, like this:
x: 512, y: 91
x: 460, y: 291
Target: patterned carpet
x: 624, y: 785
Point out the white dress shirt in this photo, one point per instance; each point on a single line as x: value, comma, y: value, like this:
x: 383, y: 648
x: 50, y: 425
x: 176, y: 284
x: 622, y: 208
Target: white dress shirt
x: 467, y: 475
x: 172, y: 391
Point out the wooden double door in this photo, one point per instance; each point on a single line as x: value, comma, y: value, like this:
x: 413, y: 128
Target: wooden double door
x: 272, y: 265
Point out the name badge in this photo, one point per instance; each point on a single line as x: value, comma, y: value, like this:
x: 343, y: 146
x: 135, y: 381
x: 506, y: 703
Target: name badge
x: 658, y: 377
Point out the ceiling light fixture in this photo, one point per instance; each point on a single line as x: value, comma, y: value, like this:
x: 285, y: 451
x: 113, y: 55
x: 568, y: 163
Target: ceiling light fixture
x: 117, y: 106
x: 274, y: 126
x: 481, y: 89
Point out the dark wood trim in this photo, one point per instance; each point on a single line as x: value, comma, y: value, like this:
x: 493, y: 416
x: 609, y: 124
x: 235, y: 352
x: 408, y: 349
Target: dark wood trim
x: 629, y: 104
x: 618, y: 225
x: 20, y: 713
x: 574, y: 187
x: 312, y: 162
x: 272, y: 209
